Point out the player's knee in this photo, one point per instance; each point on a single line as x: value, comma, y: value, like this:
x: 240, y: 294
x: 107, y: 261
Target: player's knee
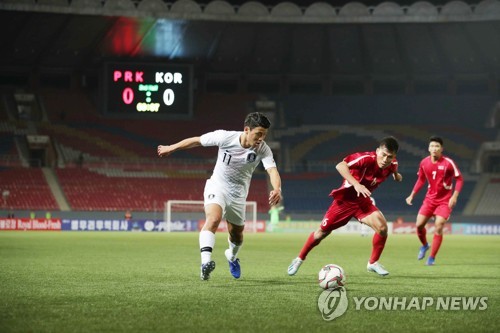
x: 382, y: 231
x: 320, y: 234
x: 211, y: 225
x: 439, y: 229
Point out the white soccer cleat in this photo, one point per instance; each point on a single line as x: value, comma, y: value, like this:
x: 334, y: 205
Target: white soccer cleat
x: 377, y: 268
x: 294, y: 266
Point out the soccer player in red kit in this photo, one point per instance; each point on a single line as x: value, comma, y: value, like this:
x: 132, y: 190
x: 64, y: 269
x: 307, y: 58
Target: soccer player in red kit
x: 439, y: 171
x: 363, y: 173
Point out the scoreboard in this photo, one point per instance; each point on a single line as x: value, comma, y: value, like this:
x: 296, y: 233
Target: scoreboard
x: 161, y: 90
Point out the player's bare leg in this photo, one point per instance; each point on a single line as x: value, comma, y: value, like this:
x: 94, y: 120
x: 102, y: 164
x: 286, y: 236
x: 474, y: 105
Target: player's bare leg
x: 213, y: 216
x: 378, y: 223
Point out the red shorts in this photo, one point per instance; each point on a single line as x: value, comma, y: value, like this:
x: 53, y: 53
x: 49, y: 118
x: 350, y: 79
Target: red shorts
x: 340, y: 212
x: 431, y: 208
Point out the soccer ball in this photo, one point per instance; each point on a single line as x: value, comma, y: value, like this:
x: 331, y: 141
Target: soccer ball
x: 331, y: 276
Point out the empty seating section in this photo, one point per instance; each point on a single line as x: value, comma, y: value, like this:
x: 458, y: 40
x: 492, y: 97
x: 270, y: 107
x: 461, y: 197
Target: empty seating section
x: 89, y: 190
x: 488, y: 204
x: 439, y: 110
x: 75, y: 123
x: 72, y: 106
x: 28, y: 189
x: 7, y: 146
x: 115, y: 190
x: 308, y: 192
x: 357, y: 122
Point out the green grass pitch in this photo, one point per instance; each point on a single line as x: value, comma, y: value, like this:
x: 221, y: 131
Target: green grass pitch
x: 149, y: 282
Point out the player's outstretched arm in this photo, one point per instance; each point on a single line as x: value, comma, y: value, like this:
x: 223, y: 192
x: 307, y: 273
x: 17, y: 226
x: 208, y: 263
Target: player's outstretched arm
x: 181, y: 145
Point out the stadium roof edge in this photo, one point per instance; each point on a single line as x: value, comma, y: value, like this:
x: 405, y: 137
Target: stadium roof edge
x: 285, y: 12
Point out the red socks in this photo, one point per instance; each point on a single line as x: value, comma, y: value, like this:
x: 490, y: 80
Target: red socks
x: 308, y: 246
x: 422, y: 235
x: 436, y: 244
x: 378, y: 246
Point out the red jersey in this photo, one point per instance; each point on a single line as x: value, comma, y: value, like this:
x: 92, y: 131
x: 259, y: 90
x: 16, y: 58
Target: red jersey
x: 440, y: 177
x: 364, y: 168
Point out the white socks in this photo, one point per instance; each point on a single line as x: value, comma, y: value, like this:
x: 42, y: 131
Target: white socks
x: 207, y: 242
x: 233, y: 250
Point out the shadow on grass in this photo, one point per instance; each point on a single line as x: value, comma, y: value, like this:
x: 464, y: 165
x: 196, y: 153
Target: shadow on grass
x: 252, y: 282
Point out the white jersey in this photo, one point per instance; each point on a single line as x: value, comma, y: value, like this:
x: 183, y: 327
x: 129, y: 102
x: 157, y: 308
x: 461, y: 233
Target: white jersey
x: 235, y: 164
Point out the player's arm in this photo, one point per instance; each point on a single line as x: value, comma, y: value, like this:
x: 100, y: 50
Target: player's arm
x: 397, y: 176
x: 459, y: 182
x: 453, y: 199
x: 418, y: 185
x: 343, y: 169
x: 181, y: 145
x: 275, y: 179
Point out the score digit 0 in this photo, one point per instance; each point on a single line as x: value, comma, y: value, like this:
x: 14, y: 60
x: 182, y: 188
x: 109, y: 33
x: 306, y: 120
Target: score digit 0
x: 168, y: 97
x: 128, y: 95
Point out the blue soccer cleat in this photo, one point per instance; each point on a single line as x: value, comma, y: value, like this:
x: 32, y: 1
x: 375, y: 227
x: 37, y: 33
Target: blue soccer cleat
x: 422, y: 251
x: 234, y: 268
x: 234, y: 265
x: 430, y: 261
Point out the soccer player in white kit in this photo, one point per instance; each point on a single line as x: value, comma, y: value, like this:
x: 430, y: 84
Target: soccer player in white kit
x: 227, y: 189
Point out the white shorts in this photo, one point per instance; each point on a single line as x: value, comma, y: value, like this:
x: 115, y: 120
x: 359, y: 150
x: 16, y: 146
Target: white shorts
x: 233, y: 210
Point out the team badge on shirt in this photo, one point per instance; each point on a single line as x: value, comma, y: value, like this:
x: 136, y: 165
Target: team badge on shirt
x: 251, y: 157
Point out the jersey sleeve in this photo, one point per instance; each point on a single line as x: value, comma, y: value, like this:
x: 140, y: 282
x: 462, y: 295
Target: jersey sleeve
x: 214, y: 138
x: 394, y: 166
x: 267, y: 158
x: 459, y: 180
x: 356, y: 160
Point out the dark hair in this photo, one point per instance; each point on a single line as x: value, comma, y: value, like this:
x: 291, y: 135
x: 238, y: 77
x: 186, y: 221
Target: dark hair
x: 435, y: 138
x: 391, y: 143
x: 257, y: 119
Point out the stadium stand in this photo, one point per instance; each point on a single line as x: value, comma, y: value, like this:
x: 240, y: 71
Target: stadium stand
x: 28, y: 189
x: 488, y: 203
x: 110, y: 189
